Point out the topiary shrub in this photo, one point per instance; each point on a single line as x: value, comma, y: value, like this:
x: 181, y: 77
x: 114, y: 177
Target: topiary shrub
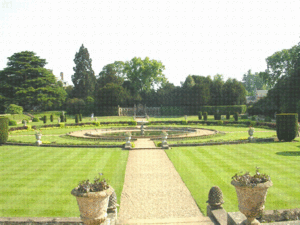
x: 219, y: 122
x: 268, y: 119
x: 45, y: 119
x: 254, y: 118
x: 12, y: 123
x: 205, y: 115
x: 51, y: 118
x: 236, y: 116
x: 227, y: 115
x: 134, y: 123
x: 65, y: 118
x: 35, y: 119
x: 76, y: 118
x: 244, y: 117
x: 23, y: 121
x: 14, y: 109
x: 217, y: 116
x: 80, y: 117
x: 287, y: 126
x: 3, y: 129
x: 62, y: 119
x: 200, y: 115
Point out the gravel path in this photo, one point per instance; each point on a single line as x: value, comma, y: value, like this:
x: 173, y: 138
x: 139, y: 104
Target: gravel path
x: 153, y: 190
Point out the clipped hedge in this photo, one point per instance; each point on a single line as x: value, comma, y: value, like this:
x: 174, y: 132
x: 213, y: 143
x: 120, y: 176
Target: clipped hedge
x: 287, y: 126
x: 205, y: 115
x: 172, y: 110
x: 236, y: 116
x: 51, y: 118
x: 224, y: 109
x: 227, y: 115
x: 76, y: 118
x: 217, y: 116
x: 45, y: 119
x: 12, y: 123
x: 200, y: 115
x: 35, y: 119
x: 244, y: 117
x: 3, y: 129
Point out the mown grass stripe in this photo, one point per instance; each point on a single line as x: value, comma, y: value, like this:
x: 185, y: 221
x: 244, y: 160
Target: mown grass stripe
x: 47, y: 192
x: 219, y: 163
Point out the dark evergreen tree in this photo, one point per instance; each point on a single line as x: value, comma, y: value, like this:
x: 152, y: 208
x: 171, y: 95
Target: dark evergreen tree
x: 292, y: 89
x: 84, y: 79
x: 27, y: 83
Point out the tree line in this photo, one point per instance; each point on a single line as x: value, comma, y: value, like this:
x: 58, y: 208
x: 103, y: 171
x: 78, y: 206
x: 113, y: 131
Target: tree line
x: 283, y: 76
x: 26, y: 82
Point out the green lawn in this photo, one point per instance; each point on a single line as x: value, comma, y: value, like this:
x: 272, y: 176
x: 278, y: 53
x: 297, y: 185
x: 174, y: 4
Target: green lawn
x: 37, y: 181
x: 229, y: 133
x: 57, y: 136
x: 204, y: 167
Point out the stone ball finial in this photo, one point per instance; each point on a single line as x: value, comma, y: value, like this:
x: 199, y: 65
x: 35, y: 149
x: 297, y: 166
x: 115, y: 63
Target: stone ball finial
x: 215, y: 198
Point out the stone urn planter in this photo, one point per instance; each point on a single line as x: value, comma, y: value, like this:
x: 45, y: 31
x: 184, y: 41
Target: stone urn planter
x: 92, y: 204
x: 251, y: 195
x: 251, y: 132
x: 38, y: 137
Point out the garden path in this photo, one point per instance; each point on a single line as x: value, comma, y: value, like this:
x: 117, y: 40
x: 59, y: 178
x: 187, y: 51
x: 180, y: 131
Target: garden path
x: 153, y: 192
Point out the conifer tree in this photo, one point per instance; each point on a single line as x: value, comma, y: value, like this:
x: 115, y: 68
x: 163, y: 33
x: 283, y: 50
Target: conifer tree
x: 84, y: 77
x: 27, y: 83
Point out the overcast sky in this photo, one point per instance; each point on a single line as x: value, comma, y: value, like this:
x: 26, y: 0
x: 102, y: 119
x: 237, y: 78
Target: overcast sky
x: 188, y: 37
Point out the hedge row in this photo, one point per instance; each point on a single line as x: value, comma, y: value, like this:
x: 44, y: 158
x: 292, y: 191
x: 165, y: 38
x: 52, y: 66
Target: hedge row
x: 193, y: 110
x: 3, y: 129
x: 133, y: 123
x: 211, y: 110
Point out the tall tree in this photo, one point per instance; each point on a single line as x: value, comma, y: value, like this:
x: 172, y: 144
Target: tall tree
x: 144, y: 75
x: 111, y: 73
x: 279, y: 65
x: 253, y: 82
x: 234, y: 93
x: 84, y: 79
x: 216, y: 88
x: 292, y: 96
x: 26, y: 82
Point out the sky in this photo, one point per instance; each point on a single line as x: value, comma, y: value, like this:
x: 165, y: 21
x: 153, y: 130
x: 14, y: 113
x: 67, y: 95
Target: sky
x: 200, y: 37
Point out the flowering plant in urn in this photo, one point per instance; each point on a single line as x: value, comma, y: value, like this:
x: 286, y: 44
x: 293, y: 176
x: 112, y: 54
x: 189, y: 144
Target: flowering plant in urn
x: 93, y: 199
x: 251, y: 192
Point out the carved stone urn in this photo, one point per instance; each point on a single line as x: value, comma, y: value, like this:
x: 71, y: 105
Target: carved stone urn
x: 251, y: 200
x: 38, y: 137
x: 251, y: 132
x: 93, y: 205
